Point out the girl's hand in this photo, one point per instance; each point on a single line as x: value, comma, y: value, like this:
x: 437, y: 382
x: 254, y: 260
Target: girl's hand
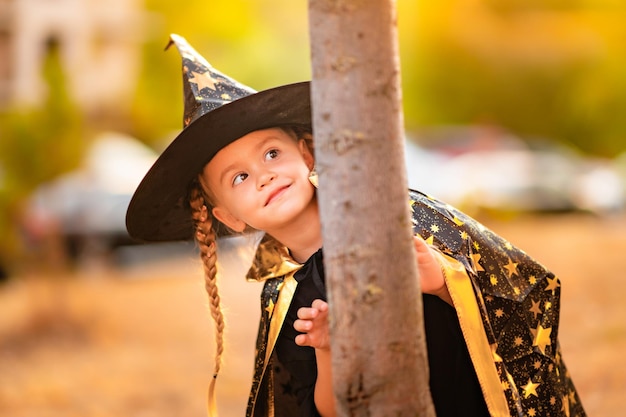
x: 313, y: 323
x: 430, y: 273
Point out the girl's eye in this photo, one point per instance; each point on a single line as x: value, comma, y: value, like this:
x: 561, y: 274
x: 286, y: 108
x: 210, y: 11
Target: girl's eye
x: 239, y: 178
x: 271, y: 154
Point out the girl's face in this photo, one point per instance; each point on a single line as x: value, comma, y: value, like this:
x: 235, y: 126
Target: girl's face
x: 260, y: 180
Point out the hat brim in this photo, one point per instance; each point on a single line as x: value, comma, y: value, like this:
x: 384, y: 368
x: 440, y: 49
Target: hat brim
x: 158, y: 211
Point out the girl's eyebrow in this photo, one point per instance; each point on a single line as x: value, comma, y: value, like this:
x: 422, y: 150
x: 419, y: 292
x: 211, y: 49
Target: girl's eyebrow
x: 229, y: 168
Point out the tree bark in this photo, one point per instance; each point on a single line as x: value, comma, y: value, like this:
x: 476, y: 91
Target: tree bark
x: 380, y: 365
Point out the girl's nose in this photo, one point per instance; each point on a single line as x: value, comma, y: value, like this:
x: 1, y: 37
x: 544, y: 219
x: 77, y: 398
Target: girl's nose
x: 266, y: 178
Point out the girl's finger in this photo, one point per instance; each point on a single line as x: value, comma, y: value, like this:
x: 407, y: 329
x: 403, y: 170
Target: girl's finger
x: 320, y: 305
x: 302, y: 325
x: 307, y: 313
x: 301, y: 340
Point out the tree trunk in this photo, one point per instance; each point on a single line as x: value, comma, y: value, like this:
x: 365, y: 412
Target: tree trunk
x: 380, y: 366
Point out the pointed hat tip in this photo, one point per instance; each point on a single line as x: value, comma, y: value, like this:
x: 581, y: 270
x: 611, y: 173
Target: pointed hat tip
x: 174, y: 38
x: 205, y: 88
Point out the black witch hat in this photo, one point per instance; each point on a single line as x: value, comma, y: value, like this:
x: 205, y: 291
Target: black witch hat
x: 218, y: 111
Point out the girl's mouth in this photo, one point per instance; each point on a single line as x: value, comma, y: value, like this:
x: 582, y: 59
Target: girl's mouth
x: 276, y: 194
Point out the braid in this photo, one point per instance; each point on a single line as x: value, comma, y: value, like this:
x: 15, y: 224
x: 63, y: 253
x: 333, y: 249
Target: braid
x: 205, y: 236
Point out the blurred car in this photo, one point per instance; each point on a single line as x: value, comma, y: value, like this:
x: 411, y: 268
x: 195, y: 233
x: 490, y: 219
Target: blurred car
x: 600, y: 187
x: 87, y: 207
x: 512, y: 180
x: 488, y: 171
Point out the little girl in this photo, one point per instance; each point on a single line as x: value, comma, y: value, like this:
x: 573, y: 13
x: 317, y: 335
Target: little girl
x: 244, y: 162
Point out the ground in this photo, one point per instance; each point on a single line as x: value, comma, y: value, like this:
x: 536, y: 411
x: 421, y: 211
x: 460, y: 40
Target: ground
x: 136, y: 340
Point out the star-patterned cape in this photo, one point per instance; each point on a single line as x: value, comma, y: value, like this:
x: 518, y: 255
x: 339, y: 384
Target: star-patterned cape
x: 507, y: 304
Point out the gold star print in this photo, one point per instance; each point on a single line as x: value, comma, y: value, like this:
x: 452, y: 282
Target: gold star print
x: 532, y: 280
x: 511, y: 267
x: 463, y: 235
x: 475, y: 260
x: 541, y: 337
x: 457, y: 221
x: 552, y: 400
x: 434, y: 228
x: 508, y: 246
x: 565, y: 405
x: 493, y: 279
x: 203, y: 80
x: 572, y: 397
x: 537, y: 364
x: 518, y: 341
x: 530, y: 389
x: 270, y: 308
x: 535, y: 309
x: 516, y: 290
x: 532, y: 412
x: 476, y: 246
x: 226, y: 97
x: 548, y: 305
x: 430, y: 240
x: 499, y: 313
x: 505, y: 385
x: 553, y: 284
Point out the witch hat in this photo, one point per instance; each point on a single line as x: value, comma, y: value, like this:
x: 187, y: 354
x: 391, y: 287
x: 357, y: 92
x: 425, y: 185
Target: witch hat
x: 218, y: 110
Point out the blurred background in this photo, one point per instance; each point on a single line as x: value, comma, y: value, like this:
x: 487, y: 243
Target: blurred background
x: 514, y: 111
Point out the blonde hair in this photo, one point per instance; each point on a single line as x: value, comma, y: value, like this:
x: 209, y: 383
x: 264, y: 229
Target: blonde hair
x: 205, y: 237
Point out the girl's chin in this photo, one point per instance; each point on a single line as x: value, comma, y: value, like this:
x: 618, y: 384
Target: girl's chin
x: 288, y: 215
